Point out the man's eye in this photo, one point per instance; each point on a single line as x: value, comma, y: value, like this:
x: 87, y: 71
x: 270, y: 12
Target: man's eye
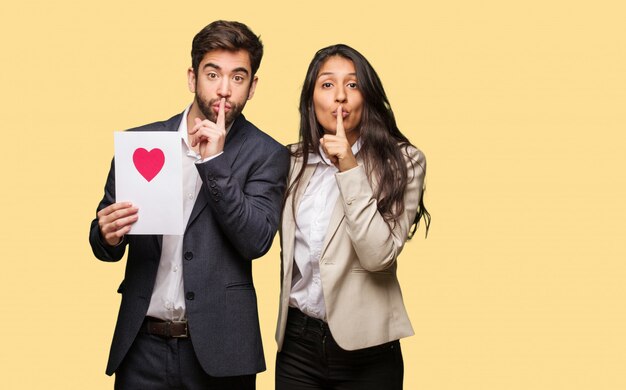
x: 238, y: 78
x: 212, y: 75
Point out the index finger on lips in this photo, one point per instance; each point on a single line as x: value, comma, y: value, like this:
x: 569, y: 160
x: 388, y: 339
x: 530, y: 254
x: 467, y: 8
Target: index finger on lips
x: 341, y: 132
x: 221, y: 115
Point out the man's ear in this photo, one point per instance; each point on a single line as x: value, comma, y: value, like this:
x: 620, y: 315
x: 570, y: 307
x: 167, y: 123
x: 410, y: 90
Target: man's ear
x: 191, y: 80
x: 252, y: 87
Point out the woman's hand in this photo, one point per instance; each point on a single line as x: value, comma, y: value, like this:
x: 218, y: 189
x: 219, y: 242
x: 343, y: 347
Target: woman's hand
x: 337, y: 147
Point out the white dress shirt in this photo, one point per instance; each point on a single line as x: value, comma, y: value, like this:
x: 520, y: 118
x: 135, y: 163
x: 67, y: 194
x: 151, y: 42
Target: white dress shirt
x: 312, y: 219
x: 168, y: 301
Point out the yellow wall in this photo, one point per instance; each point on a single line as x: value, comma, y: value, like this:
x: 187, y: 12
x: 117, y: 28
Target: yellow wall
x: 519, y: 107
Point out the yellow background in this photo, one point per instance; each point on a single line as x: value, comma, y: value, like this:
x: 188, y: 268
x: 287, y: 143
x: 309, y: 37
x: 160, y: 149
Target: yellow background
x: 519, y: 107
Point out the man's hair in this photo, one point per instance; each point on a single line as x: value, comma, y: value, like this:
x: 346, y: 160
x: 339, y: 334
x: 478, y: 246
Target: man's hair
x: 225, y: 35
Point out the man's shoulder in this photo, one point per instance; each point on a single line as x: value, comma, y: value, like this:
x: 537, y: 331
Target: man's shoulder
x: 165, y: 125
x: 260, y: 138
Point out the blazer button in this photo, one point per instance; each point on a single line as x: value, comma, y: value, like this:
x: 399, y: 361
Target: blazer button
x: 190, y: 296
x: 188, y: 256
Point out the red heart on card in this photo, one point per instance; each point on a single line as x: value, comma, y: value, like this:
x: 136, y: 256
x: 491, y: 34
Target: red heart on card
x: 149, y: 164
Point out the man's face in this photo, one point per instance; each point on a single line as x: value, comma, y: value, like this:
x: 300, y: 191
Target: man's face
x: 222, y: 74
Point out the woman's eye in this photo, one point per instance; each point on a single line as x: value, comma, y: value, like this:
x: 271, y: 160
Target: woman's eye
x: 352, y: 85
x: 327, y: 85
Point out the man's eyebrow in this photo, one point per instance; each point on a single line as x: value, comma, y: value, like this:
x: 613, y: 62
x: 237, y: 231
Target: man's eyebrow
x: 211, y: 65
x: 241, y: 69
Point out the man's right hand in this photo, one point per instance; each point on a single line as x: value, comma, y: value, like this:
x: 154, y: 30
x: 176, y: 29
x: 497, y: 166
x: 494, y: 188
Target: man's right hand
x: 210, y: 136
x: 115, y: 221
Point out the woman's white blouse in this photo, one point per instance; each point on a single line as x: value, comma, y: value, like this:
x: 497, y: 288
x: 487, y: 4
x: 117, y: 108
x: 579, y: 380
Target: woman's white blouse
x: 312, y: 219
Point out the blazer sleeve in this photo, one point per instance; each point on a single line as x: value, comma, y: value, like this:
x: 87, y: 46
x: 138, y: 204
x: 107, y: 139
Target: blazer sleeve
x: 248, y: 215
x: 376, y: 242
x: 100, y: 249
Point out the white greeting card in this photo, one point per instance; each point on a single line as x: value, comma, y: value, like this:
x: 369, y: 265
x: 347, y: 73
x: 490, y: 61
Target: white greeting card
x: 148, y: 173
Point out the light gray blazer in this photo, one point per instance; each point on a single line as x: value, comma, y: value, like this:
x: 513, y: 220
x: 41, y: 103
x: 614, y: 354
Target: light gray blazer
x: 364, y: 305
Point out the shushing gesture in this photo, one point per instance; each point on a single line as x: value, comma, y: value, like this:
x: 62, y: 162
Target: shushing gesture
x: 337, y: 147
x: 210, y: 136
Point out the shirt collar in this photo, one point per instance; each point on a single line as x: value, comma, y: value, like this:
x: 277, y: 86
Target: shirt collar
x: 315, y: 158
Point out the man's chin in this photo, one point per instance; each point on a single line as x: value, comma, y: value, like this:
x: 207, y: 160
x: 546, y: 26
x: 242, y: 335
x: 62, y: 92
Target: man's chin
x: 231, y: 116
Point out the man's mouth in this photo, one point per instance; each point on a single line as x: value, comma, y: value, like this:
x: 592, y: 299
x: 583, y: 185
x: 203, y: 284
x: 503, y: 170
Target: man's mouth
x: 216, y: 107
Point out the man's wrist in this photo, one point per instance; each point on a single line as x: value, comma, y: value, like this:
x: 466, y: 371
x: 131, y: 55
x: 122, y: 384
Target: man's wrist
x: 209, y: 158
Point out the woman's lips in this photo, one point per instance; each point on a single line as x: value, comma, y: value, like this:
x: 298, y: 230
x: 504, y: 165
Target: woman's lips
x: 344, y: 113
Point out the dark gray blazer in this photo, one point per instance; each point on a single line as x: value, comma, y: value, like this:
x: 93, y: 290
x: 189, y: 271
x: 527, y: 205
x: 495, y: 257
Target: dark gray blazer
x: 233, y: 221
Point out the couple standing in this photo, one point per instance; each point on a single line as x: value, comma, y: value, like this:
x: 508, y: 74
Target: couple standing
x: 349, y: 194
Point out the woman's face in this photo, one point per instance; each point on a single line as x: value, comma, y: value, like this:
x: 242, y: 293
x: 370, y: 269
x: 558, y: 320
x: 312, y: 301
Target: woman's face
x: 336, y: 85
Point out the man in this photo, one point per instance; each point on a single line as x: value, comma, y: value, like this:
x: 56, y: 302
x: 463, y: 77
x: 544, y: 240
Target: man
x: 188, y: 317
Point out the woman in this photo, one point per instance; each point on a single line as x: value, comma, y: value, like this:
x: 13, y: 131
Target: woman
x: 355, y: 190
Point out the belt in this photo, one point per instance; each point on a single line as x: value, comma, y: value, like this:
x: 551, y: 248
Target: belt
x: 162, y: 328
x: 297, y: 317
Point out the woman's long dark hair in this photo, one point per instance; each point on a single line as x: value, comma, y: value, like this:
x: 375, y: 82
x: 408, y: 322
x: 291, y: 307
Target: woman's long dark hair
x: 383, y: 145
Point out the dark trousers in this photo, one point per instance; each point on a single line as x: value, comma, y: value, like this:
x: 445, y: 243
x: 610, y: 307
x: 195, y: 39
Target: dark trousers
x: 155, y: 363
x: 311, y: 359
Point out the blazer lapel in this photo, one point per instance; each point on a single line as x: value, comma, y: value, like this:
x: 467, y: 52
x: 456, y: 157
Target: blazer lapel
x: 234, y: 141
x: 171, y: 124
x: 201, y: 202
x: 336, y: 218
x: 288, y: 228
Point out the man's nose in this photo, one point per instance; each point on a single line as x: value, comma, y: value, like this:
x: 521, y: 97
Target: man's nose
x: 224, y: 88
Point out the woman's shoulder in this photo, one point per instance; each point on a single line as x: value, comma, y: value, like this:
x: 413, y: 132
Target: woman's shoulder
x: 294, y: 148
x: 412, y: 154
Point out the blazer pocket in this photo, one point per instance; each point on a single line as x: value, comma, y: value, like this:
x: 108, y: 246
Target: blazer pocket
x: 364, y: 271
x: 240, y: 286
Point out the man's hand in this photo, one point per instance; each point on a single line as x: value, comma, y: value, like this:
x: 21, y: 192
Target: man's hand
x: 337, y: 147
x: 115, y: 221
x: 210, y: 136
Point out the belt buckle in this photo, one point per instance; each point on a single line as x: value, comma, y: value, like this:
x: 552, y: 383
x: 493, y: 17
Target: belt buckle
x: 169, y: 330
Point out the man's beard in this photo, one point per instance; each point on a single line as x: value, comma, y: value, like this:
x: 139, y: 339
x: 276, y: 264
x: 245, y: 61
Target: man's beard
x: 207, y: 109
